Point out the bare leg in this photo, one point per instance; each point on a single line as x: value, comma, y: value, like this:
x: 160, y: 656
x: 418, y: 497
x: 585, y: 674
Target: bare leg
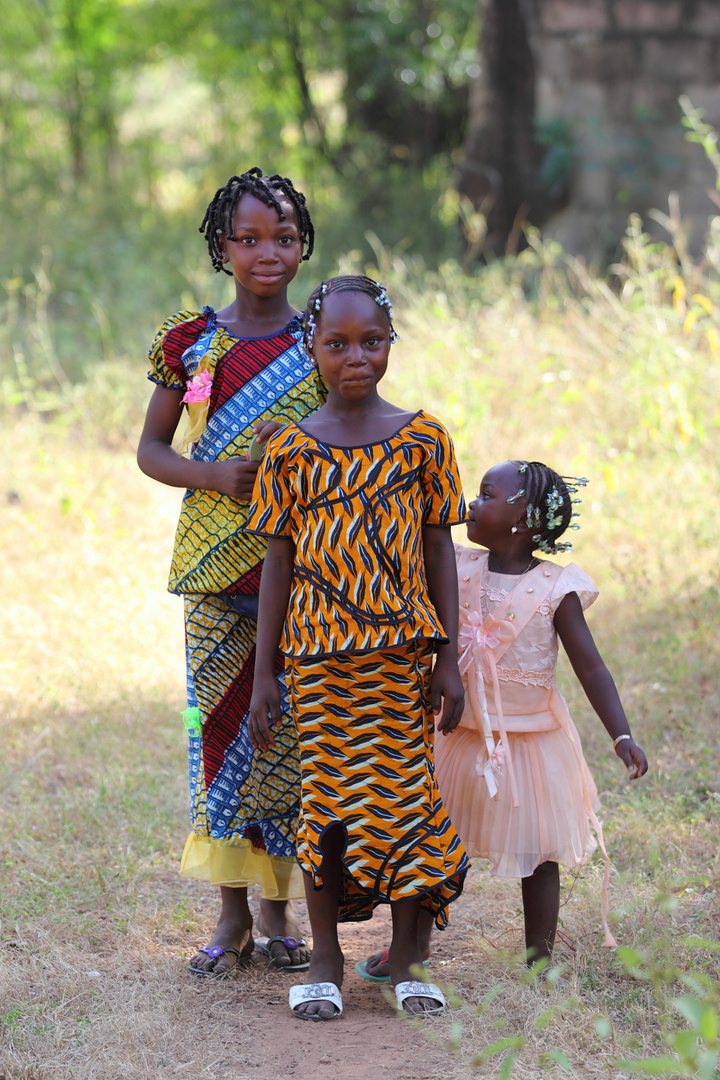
x: 405, y: 951
x: 326, y: 962
x: 233, y: 931
x: 541, y: 906
x: 379, y: 963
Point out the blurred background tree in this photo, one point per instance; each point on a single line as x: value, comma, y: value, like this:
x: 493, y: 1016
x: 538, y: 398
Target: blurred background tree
x: 119, y: 118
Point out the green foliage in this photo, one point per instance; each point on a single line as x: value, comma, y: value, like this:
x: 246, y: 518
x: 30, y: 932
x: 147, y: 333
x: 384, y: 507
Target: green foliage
x: 119, y: 119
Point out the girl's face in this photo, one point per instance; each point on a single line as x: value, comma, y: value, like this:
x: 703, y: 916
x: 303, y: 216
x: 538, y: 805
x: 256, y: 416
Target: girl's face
x: 264, y: 252
x: 352, y: 344
x: 490, y: 515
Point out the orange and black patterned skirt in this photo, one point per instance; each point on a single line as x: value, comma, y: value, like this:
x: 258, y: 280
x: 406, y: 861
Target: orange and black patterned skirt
x: 366, y: 750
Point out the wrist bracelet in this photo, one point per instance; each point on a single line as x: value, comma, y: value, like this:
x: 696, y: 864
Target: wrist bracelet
x: 620, y: 739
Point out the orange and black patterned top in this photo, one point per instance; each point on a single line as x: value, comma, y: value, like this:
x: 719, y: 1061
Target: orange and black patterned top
x: 356, y: 516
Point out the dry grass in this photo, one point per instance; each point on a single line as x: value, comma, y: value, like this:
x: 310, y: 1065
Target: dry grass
x: 94, y: 920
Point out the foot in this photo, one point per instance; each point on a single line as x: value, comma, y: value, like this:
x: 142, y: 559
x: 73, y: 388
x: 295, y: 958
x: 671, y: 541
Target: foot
x: 402, y: 959
x: 277, y: 919
x: 323, y: 969
x: 229, y: 935
x: 233, y: 931
x: 378, y: 965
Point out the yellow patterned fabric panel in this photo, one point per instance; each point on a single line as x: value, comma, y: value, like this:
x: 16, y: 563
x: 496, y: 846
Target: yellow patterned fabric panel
x: 252, y: 379
x: 356, y: 517
x: 366, y: 741
x: 212, y: 550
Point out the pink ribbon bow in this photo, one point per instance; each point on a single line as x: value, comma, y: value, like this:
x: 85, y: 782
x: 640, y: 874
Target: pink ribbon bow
x: 477, y: 639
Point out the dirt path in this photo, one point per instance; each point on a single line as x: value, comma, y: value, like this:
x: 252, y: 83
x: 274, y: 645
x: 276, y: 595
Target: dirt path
x: 368, y: 1042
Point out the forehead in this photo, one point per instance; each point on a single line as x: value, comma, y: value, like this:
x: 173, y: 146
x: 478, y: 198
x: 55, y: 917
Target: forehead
x: 351, y: 305
x: 503, y: 477
x: 251, y: 211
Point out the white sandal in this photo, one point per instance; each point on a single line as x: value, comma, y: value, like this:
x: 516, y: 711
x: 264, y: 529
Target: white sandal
x: 322, y: 991
x: 405, y: 990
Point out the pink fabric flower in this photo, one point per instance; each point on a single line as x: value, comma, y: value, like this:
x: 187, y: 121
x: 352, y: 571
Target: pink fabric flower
x: 198, y: 389
x: 483, y: 634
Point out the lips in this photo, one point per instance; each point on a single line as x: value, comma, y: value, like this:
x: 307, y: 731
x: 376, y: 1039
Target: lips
x: 268, y: 278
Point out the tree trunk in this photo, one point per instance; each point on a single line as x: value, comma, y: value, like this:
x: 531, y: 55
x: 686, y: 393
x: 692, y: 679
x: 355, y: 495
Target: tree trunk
x: 502, y: 156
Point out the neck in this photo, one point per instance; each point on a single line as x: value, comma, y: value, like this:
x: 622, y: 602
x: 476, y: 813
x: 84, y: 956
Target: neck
x: 250, y: 308
x: 511, y: 562
x: 337, y: 405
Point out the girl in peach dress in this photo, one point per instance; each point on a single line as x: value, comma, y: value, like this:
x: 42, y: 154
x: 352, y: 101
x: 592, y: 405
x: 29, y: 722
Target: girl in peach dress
x: 512, y: 776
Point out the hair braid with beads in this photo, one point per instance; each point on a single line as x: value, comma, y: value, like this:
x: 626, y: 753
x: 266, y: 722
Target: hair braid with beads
x: 549, y: 510
x: 218, y: 220
x: 347, y: 283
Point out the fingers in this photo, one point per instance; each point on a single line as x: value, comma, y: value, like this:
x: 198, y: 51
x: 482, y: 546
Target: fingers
x: 260, y: 723
x: 453, y: 707
x: 633, y: 757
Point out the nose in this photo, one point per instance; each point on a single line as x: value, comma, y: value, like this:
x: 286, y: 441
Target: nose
x: 356, y: 355
x: 268, y: 254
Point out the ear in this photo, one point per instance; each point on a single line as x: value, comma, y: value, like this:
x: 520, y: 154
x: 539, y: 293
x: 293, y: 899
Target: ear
x: 521, y: 524
x: 222, y: 246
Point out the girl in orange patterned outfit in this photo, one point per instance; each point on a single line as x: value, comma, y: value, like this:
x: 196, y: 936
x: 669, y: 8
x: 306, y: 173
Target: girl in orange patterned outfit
x: 235, y: 369
x: 359, y: 590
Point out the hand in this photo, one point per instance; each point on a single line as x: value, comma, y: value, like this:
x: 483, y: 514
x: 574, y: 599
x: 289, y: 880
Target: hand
x: 235, y: 477
x: 446, y: 692
x: 265, y: 429
x: 264, y: 712
x: 633, y: 757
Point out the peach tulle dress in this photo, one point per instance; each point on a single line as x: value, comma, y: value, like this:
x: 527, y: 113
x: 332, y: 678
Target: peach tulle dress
x: 512, y: 776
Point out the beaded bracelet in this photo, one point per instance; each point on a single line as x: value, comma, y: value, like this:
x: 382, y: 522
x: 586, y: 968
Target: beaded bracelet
x: 620, y: 739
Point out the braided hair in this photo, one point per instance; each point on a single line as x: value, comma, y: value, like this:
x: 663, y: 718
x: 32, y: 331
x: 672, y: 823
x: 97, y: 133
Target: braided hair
x: 549, y: 509
x: 346, y: 283
x: 218, y: 220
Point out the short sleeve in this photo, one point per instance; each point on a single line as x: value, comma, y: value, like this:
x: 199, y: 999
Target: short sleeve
x: 166, y: 352
x: 272, y: 498
x: 573, y: 579
x: 444, y: 503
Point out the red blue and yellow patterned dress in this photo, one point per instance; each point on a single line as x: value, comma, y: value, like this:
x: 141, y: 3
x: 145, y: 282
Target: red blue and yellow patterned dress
x: 358, y: 640
x: 244, y: 806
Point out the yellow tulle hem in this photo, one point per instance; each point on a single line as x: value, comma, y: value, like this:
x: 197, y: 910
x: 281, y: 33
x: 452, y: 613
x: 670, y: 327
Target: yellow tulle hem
x: 238, y: 864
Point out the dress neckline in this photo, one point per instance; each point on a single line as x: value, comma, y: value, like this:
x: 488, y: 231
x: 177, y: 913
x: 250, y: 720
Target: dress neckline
x: 293, y: 326
x: 361, y: 446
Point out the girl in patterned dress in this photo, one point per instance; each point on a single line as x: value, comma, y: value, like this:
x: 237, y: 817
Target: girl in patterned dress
x: 235, y: 370
x: 359, y: 590
x: 513, y: 777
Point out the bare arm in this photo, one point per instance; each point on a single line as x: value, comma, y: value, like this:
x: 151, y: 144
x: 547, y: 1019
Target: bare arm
x: 272, y: 611
x: 441, y: 575
x: 234, y: 477
x: 596, y: 681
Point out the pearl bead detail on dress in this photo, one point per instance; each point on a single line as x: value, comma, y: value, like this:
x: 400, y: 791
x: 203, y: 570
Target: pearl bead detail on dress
x: 466, y: 579
x: 474, y: 558
x: 546, y: 573
x: 531, y: 589
x: 466, y: 604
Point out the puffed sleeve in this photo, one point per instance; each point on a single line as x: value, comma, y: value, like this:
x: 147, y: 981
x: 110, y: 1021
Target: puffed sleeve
x: 172, y: 339
x: 573, y: 579
x: 272, y: 499
x: 442, y: 489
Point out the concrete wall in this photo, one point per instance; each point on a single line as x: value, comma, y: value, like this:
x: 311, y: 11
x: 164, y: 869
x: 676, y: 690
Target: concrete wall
x: 614, y: 69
